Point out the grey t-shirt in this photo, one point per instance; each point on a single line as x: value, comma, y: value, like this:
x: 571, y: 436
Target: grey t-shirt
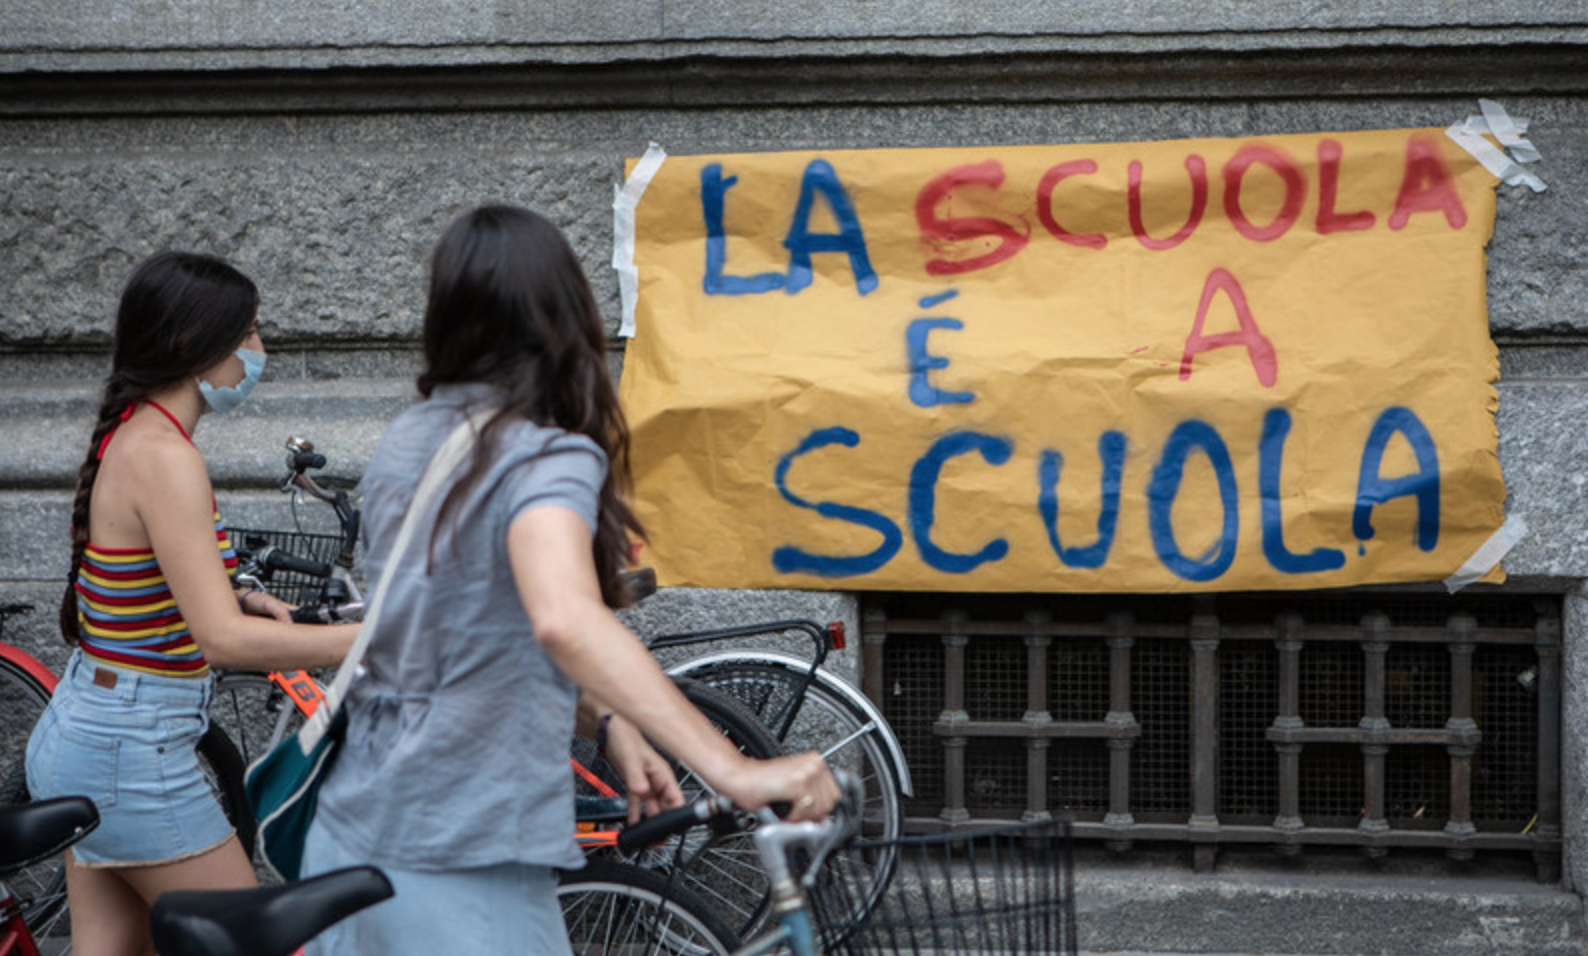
x: 457, y: 749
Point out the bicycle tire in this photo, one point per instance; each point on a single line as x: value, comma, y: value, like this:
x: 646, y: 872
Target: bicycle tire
x: 23, y: 698
x: 41, y: 888
x: 825, y: 722
x: 609, y: 906
x: 728, y: 874
x: 253, y: 712
x: 837, y: 728
x: 724, y: 871
x: 223, y: 768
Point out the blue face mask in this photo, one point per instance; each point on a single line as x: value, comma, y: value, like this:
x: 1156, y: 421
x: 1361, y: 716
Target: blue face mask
x: 225, y: 399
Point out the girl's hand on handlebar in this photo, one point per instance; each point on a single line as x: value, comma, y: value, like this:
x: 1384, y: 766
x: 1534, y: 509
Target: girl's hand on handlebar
x: 265, y: 604
x: 647, y: 775
x: 802, y: 782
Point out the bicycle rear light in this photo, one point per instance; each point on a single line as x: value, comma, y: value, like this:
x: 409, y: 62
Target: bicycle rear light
x: 835, y: 635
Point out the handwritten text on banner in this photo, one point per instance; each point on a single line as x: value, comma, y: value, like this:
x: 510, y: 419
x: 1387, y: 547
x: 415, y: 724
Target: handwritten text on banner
x: 1192, y: 365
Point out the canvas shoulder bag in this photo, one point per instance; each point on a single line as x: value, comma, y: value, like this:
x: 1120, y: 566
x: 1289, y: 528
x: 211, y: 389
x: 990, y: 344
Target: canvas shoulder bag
x: 283, y: 786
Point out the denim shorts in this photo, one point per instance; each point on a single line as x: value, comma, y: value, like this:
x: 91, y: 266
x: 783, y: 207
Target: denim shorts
x: 510, y: 909
x: 129, y: 742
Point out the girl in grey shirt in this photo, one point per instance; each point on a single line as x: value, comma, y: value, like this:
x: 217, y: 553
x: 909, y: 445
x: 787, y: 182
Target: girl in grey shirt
x: 498, y: 634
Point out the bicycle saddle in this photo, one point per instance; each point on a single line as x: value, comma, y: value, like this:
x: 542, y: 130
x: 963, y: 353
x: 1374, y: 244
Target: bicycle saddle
x: 265, y: 921
x: 30, y: 832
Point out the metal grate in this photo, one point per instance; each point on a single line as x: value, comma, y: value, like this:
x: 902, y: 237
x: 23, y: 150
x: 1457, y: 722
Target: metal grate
x: 912, y: 698
x: 1331, y: 785
x: 1248, y: 786
x: 1377, y: 720
x: 1160, y: 692
x: 1509, y: 756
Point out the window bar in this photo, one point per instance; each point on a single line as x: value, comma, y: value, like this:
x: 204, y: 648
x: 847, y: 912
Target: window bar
x: 954, y: 718
x: 1547, y: 830
x: 1289, y: 643
x: 874, y: 635
x: 1464, y: 734
x: 1374, y: 724
x: 1122, y: 718
x: 1037, y: 716
x: 1204, y: 825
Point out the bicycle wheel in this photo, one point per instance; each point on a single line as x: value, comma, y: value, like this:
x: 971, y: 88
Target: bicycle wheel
x: 613, y: 908
x: 723, y: 871
x: 822, y: 720
x: 815, y: 717
x: 41, y: 888
x: 23, y: 698
x: 253, y: 712
x: 223, y: 768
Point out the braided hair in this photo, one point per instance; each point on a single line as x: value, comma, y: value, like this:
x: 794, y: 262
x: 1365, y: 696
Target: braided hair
x: 180, y: 314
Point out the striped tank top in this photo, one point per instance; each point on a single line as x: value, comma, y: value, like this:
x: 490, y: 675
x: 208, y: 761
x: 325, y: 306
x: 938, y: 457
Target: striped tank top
x: 126, y: 613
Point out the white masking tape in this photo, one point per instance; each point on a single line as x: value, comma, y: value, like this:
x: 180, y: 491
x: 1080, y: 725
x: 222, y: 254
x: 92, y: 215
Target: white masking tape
x: 1508, y: 132
x: 1488, y: 554
x: 1506, y: 163
x: 625, y: 200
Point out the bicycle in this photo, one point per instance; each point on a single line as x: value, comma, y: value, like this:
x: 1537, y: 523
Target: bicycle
x: 32, y: 835
x: 807, y: 707
x: 25, y: 689
x: 259, y: 710
x: 805, y: 704
x: 313, y: 571
x: 992, y: 890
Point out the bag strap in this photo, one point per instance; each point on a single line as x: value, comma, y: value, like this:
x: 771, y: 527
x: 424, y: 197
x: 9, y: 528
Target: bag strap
x: 436, y: 473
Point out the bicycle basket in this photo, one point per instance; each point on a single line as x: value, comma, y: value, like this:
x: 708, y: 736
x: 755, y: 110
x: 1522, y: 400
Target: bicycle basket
x: 999, y: 890
x: 294, y: 587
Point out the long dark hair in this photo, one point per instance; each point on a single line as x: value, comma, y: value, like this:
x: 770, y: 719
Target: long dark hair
x: 510, y: 306
x: 181, y: 313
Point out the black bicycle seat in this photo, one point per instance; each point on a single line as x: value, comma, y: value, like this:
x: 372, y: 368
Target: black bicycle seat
x: 30, y: 832
x: 266, y: 921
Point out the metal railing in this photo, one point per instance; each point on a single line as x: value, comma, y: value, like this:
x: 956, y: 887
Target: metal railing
x: 1368, y: 720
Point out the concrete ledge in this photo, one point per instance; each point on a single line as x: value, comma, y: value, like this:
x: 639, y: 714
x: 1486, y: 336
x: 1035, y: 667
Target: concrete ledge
x: 789, y: 72
x: 74, y: 35
x: 48, y: 425
x: 1340, y: 907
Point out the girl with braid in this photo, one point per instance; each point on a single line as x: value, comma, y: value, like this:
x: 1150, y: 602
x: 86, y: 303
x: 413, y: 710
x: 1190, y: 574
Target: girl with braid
x: 151, y: 607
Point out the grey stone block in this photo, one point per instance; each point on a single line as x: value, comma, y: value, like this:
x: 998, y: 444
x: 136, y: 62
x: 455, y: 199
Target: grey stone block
x: 337, y: 242
x: 1542, y: 448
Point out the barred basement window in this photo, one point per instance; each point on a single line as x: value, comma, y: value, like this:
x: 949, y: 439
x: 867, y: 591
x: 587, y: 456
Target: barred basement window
x: 1375, y: 720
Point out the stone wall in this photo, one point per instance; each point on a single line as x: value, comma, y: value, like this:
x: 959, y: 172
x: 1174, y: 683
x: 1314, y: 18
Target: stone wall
x: 322, y: 147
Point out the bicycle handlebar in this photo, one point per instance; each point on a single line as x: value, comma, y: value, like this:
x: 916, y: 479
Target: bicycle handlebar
x: 773, y: 838
x: 272, y: 558
x: 672, y: 822
x: 329, y: 614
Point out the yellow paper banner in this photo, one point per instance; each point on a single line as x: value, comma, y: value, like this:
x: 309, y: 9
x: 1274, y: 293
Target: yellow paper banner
x: 1192, y: 365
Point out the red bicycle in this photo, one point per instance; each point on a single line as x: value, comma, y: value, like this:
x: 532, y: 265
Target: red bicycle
x: 31, y: 835
x: 37, y: 888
